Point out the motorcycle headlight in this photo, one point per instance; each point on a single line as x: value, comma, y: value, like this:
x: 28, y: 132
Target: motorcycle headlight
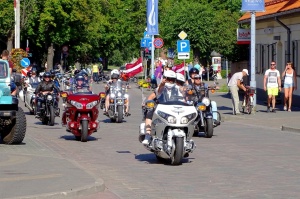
x: 76, y: 104
x: 119, y: 94
x: 206, y: 101
x: 171, y: 119
x: 49, y: 97
x: 186, y: 119
x: 91, y: 104
x: 112, y: 95
x: 126, y: 96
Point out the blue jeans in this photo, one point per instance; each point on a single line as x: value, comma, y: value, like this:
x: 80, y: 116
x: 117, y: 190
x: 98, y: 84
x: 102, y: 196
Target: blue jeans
x: 96, y: 77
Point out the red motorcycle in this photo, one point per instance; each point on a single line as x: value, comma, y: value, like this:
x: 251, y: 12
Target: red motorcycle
x: 81, y: 113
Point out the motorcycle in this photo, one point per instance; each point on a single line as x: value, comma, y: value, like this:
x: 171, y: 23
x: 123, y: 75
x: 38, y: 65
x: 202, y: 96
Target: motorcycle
x: 81, y: 113
x: 29, y: 97
x: 199, y: 97
x: 118, y: 100
x: 49, y: 108
x: 172, y: 129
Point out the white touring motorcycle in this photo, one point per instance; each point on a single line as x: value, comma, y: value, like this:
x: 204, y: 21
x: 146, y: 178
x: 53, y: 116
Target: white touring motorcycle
x: 172, y: 128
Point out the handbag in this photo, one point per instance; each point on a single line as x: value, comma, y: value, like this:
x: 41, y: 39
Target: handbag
x: 282, y: 80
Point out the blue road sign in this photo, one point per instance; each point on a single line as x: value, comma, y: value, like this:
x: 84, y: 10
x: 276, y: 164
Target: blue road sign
x: 25, y: 62
x: 145, y: 42
x: 146, y: 35
x: 183, y: 46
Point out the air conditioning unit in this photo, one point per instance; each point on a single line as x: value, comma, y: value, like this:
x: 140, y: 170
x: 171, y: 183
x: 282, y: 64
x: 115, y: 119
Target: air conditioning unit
x: 269, y: 30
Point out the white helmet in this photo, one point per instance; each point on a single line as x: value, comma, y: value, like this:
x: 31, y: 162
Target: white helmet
x: 180, y: 77
x: 170, y: 74
x: 115, y: 71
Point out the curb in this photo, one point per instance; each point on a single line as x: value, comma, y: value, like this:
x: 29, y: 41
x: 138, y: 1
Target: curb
x: 97, y: 187
x: 290, y: 129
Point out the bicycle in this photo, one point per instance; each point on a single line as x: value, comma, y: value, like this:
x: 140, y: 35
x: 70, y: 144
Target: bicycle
x: 247, y: 105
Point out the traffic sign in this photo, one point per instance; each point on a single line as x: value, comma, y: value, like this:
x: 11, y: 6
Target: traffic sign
x: 182, y: 35
x: 158, y: 42
x: 146, y: 35
x: 183, y: 46
x: 146, y: 43
x: 65, y: 48
x: 25, y: 62
x: 184, y: 55
x: 29, y: 54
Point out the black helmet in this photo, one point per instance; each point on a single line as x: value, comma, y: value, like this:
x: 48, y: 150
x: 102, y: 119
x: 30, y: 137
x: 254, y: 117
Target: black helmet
x: 52, y: 71
x: 76, y: 72
x: 193, y: 70
x: 47, y: 74
x: 79, y: 78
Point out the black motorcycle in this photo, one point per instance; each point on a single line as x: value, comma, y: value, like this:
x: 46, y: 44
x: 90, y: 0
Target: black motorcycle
x: 199, y: 96
x: 49, y: 108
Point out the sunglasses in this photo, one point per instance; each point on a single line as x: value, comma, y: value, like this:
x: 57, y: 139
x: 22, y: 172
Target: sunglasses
x: 170, y: 79
x: 197, y: 78
x: 273, y: 64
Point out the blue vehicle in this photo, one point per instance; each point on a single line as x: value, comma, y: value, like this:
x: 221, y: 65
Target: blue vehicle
x: 12, y: 117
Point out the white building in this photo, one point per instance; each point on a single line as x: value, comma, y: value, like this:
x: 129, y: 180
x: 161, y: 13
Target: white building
x: 277, y: 39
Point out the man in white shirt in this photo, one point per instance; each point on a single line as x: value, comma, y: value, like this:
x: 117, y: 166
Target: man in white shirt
x: 272, y: 84
x: 234, y: 84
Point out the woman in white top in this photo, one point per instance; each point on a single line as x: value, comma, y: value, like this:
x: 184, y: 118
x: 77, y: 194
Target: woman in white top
x: 290, y: 84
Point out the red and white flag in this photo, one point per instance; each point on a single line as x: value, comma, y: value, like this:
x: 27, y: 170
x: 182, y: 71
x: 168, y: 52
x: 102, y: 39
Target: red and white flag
x: 179, y: 68
x: 135, y: 68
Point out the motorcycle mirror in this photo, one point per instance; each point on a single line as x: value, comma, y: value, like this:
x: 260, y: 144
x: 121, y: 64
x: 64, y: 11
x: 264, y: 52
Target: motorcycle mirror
x: 213, y: 90
x: 102, y: 95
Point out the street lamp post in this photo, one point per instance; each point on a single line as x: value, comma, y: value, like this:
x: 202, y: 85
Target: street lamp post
x: 17, y: 23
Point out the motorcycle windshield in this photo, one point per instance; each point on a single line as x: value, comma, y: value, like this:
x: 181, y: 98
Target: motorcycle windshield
x: 82, y: 90
x: 171, y: 96
x: 117, y: 87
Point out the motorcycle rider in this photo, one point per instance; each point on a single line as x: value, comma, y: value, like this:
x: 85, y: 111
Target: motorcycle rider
x: 114, y: 77
x: 46, y: 86
x: 192, y: 73
x: 196, y: 85
x: 168, y: 87
x: 32, y: 78
x: 81, y: 82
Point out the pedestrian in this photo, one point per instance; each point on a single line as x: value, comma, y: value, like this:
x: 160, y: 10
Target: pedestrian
x: 158, y: 72
x: 234, y: 85
x: 272, y: 84
x: 197, y: 65
x: 289, y: 78
x: 95, y: 70
x: 190, y: 66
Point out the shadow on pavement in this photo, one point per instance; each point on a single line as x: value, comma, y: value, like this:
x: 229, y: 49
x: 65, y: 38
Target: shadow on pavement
x: 72, y: 138
x: 151, y: 159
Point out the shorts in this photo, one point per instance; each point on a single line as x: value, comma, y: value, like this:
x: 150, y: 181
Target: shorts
x: 288, y: 85
x: 13, y: 86
x: 273, y: 91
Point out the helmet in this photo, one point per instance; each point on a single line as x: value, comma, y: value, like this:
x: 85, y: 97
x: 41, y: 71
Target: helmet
x: 170, y: 74
x: 52, y: 71
x: 47, y: 74
x: 114, y: 74
x: 180, y: 77
x: 114, y: 71
x: 193, y: 70
x: 79, y: 78
x: 29, y: 73
x: 76, y: 72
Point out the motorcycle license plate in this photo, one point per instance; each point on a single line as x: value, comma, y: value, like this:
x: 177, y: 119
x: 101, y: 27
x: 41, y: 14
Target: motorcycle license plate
x: 119, y: 101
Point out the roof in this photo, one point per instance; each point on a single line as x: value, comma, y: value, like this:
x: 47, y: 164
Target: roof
x: 274, y: 8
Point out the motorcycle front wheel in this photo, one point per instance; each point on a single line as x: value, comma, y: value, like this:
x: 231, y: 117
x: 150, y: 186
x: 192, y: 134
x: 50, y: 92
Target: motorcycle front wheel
x: 120, y: 114
x: 178, y: 154
x: 52, y: 116
x: 84, y: 130
x: 209, y: 128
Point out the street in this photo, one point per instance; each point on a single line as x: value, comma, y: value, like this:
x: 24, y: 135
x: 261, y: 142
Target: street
x: 241, y: 160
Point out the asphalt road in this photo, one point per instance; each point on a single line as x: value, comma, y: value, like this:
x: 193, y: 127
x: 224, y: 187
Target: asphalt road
x: 239, y: 161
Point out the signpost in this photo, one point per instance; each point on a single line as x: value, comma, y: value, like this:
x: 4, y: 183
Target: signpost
x: 252, y: 7
x: 183, y: 47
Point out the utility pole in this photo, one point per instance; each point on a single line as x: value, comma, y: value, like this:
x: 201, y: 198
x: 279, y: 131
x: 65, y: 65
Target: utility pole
x: 17, y: 23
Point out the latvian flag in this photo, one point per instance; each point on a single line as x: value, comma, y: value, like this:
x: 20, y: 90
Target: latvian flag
x: 135, y: 68
x: 179, y: 68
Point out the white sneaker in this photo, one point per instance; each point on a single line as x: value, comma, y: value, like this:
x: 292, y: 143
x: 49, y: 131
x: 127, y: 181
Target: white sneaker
x: 147, y: 139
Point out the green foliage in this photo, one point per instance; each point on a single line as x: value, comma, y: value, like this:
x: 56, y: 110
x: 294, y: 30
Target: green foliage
x: 223, y: 88
x: 116, y: 59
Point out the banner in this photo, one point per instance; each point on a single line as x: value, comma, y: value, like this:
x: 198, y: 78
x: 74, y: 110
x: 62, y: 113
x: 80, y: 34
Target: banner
x: 253, y: 5
x: 243, y: 36
x: 216, y: 63
x: 135, y: 68
x: 152, y: 17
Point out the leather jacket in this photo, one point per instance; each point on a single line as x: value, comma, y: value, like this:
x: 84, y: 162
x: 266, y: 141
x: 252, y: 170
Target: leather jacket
x: 46, y: 86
